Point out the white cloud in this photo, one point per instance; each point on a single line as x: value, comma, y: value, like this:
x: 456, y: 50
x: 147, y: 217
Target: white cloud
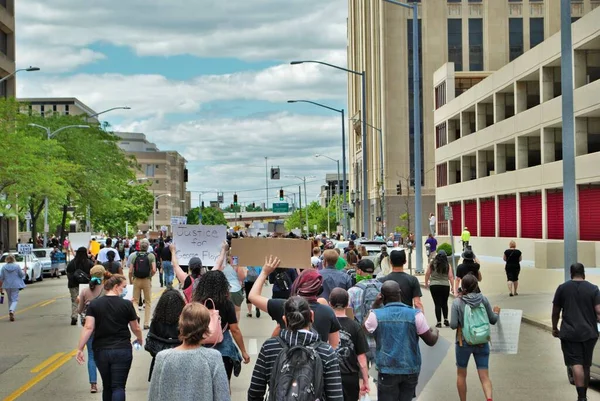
x: 57, y: 58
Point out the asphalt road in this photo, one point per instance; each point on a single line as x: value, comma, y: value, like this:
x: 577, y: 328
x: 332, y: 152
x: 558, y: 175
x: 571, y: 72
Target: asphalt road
x: 36, y: 358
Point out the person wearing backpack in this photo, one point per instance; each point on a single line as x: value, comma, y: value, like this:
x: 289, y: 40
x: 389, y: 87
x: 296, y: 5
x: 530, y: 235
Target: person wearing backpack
x: 78, y: 272
x: 142, y: 266
x: 352, y: 351
x: 471, y: 316
x: 252, y: 273
x: 312, y: 364
x: 333, y: 278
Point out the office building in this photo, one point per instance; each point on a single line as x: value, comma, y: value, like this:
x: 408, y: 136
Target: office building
x: 478, y: 36
x: 46, y: 106
x: 329, y: 190
x: 7, y: 48
x: 499, y: 151
x: 166, y: 170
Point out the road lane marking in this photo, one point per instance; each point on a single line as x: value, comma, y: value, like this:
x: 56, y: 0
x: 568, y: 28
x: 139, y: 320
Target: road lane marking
x: 34, y: 306
x: 47, y: 362
x: 253, y: 346
x: 47, y: 303
x: 41, y: 376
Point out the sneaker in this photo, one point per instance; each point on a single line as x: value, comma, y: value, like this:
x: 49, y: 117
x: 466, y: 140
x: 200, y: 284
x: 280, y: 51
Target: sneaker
x: 510, y: 295
x: 446, y: 323
x: 146, y: 327
x: 439, y: 325
x: 141, y: 308
x: 73, y: 321
x: 93, y: 388
x: 11, y: 316
x: 257, y: 312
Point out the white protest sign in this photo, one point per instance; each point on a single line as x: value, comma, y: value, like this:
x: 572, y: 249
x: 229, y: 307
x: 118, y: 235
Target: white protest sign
x: 25, y: 249
x: 505, y: 333
x: 199, y: 241
x: 79, y: 240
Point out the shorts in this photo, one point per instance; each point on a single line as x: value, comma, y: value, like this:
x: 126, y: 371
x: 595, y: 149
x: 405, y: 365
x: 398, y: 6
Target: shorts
x: 512, y: 273
x: 481, y: 354
x: 237, y: 297
x: 247, y: 287
x: 578, y: 353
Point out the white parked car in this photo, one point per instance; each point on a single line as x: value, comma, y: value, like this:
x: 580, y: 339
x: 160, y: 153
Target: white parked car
x: 43, y: 255
x: 34, y: 267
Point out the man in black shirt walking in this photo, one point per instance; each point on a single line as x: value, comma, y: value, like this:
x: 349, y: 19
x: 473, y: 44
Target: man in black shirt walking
x: 409, y: 285
x: 579, y: 302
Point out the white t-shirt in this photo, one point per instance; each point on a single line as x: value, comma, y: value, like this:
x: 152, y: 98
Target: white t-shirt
x: 432, y: 221
x: 102, y: 255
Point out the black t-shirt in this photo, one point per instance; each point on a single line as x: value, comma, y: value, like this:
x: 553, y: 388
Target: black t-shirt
x: 226, y: 311
x: 577, y: 299
x: 409, y: 285
x: 71, y: 267
x: 112, y: 315
x: 358, y: 337
x: 513, y: 257
x: 325, y: 320
x: 165, y: 254
x: 465, y: 268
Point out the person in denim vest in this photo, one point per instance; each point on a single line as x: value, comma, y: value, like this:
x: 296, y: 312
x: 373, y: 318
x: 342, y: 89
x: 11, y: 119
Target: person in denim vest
x: 397, y: 328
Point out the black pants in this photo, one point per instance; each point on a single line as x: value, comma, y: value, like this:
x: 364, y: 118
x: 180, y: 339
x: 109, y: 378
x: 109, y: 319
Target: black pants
x: 440, y: 294
x: 113, y: 365
x: 228, y: 363
x: 397, y: 387
x: 351, y: 387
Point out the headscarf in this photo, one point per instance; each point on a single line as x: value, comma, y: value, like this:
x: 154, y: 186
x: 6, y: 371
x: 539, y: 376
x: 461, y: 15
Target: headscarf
x: 308, y: 285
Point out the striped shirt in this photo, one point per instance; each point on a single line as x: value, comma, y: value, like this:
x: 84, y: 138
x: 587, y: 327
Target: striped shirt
x: 271, y: 349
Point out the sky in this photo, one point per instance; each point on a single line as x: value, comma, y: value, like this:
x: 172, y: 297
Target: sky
x: 209, y: 79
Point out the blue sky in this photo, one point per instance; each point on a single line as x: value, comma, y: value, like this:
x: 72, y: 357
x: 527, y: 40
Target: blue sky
x: 208, y: 79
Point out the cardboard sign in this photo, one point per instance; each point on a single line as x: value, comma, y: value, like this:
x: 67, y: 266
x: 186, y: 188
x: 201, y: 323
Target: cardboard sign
x: 79, y: 240
x: 199, y: 241
x: 294, y: 253
x: 505, y: 333
x: 25, y: 249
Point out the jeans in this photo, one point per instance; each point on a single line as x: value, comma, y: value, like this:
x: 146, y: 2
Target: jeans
x: 12, y: 295
x: 114, y: 365
x: 74, y: 305
x: 397, y: 387
x: 139, y: 285
x: 169, y: 274
x: 481, y: 354
x: 92, y: 372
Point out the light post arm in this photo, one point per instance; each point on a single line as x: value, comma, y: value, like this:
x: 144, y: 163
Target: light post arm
x: 316, y: 104
x: 337, y: 67
x: 107, y: 110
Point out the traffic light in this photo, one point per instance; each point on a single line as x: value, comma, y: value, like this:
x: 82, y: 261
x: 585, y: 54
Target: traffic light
x: 399, y: 188
x: 235, y: 199
x: 253, y: 205
x: 202, y: 205
x: 281, y: 197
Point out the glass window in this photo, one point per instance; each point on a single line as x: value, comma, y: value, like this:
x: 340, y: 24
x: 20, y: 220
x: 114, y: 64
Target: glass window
x: 3, y: 42
x: 66, y: 109
x: 475, y: 44
x: 536, y: 31
x: 42, y: 110
x: 455, y: 43
x: 149, y: 170
x: 454, y: 1
x: 515, y: 37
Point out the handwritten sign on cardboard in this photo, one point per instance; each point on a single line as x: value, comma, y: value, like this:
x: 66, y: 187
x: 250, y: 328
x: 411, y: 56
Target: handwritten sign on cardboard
x: 199, y: 241
x: 294, y: 253
x: 505, y: 333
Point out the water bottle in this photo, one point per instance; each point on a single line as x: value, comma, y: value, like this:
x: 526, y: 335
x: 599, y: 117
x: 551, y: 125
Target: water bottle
x: 136, y: 345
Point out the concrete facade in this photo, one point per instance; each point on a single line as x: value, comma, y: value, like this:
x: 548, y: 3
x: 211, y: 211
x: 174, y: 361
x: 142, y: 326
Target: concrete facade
x: 378, y: 40
x: 499, y: 150
x: 47, y: 106
x: 7, y: 48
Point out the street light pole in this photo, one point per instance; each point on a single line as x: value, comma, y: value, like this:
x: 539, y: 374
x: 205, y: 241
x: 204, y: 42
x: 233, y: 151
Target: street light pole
x: 303, y: 179
x: 267, y: 184
x: 107, y: 110
x: 30, y: 69
x: 363, y: 76
x: 337, y: 191
x: 156, y: 198
x: 345, y: 221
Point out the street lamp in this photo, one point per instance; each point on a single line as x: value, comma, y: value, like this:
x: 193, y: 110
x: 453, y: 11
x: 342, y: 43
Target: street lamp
x: 337, y: 192
x: 363, y: 75
x: 49, y: 135
x: 417, y: 127
x: 346, y: 222
x: 107, y: 110
x: 30, y: 69
x: 303, y: 179
x: 156, y: 198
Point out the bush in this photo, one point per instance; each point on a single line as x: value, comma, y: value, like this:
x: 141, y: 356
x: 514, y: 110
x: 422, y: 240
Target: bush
x: 446, y: 247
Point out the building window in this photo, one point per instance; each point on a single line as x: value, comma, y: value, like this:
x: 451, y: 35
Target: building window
x: 149, y: 170
x: 54, y: 108
x: 42, y: 110
x: 66, y: 109
x: 410, y: 96
x: 442, y: 175
x: 475, y: 44
x: 440, y: 135
x: 454, y: 1
x: 461, y: 85
x: 157, y: 181
x: 455, y: 43
x: 536, y: 31
x: 515, y: 37
x: 440, y: 95
x: 4, y: 42
x: 3, y: 90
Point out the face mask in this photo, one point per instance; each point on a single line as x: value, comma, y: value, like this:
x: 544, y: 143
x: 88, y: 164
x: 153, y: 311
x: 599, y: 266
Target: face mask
x: 124, y: 293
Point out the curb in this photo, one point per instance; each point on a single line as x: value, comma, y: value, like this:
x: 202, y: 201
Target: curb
x: 525, y: 319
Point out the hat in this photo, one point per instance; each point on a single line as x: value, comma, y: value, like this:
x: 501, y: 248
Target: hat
x: 468, y: 255
x: 97, y: 271
x: 366, y: 265
x: 195, y: 262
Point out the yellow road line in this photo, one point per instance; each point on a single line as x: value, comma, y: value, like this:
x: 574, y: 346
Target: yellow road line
x: 41, y: 303
x: 41, y: 376
x: 47, y: 362
x: 47, y: 303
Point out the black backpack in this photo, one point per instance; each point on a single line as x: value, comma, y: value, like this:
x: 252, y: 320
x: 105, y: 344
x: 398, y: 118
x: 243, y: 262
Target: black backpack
x: 346, y: 353
x: 80, y: 277
x: 141, y: 265
x: 282, y: 280
x: 297, y: 374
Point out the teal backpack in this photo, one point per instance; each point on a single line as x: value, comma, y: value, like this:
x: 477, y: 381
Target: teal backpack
x: 476, y: 325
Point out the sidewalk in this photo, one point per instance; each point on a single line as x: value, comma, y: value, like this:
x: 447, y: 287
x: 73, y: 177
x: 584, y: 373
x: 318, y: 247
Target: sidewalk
x: 536, y: 289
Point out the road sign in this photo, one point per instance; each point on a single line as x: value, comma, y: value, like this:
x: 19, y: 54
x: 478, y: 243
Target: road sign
x: 281, y: 207
x: 448, y: 213
x: 175, y: 220
x: 345, y: 207
x: 214, y: 204
x: 275, y: 173
x: 25, y: 249
x: 220, y: 198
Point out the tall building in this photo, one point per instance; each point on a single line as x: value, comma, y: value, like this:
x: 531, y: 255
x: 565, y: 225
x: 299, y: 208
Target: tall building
x: 478, y: 36
x: 46, y: 106
x: 499, y: 151
x: 7, y: 48
x: 166, y: 170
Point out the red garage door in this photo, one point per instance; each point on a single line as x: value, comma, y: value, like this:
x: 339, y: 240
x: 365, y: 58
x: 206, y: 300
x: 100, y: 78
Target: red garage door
x: 487, y: 211
x: 442, y: 224
x: 507, y: 215
x: 589, y: 213
x: 531, y: 215
x: 471, y: 216
x: 456, y: 218
x: 554, y: 211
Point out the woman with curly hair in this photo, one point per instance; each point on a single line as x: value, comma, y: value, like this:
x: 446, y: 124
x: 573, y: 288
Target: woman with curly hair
x: 177, y: 370
x: 214, y: 286
x: 164, y: 329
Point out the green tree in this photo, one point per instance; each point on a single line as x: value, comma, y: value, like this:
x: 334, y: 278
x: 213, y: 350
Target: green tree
x: 210, y: 216
x: 316, y: 215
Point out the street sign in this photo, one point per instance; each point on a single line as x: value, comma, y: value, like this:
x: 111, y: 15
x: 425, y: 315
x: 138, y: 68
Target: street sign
x: 345, y: 207
x: 175, y: 220
x: 220, y: 198
x: 25, y: 249
x: 281, y: 207
x: 275, y: 173
x: 214, y: 204
x: 448, y: 213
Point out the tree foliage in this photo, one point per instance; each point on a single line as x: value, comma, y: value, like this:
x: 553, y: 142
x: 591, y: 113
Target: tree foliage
x: 210, y: 216
x: 316, y: 215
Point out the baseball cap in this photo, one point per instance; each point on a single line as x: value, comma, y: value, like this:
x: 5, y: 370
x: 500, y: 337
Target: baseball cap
x: 366, y: 265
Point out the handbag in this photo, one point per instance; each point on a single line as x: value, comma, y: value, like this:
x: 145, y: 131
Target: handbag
x: 154, y: 344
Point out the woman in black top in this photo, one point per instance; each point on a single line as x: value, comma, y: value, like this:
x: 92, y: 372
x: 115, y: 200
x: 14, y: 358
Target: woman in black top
x: 512, y: 257
x: 109, y: 318
x: 164, y: 329
x: 111, y: 266
x: 79, y: 262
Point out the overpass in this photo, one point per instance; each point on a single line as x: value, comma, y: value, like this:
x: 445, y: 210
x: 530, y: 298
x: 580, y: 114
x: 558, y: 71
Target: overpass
x: 250, y: 217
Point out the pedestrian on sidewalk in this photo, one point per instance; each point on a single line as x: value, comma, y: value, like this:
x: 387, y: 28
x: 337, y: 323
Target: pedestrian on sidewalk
x: 468, y: 266
x: 465, y: 237
x: 431, y: 223
x: 471, y: 317
x: 579, y: 302
x: 142, y: 267
x: 431, y: 246
x: 397, y: 328
x: 512, y: 257
x: 78, y: 272
x: 439, y: 279
x: 410, y: 286
x: 11, y: 282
